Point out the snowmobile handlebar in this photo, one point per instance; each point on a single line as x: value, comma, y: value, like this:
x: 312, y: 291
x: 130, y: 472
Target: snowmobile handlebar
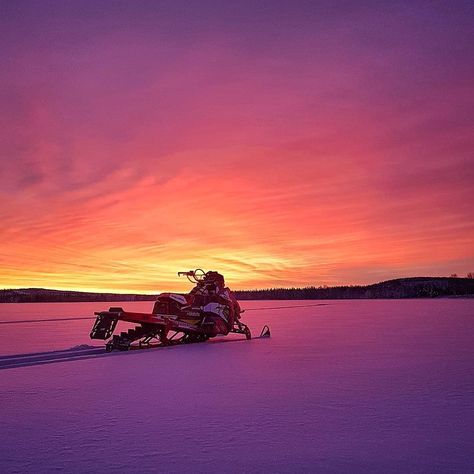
x: 194, y: 276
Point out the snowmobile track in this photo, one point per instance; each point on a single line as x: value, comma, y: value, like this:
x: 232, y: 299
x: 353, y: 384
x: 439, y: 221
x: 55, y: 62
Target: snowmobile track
x: 31, y: 359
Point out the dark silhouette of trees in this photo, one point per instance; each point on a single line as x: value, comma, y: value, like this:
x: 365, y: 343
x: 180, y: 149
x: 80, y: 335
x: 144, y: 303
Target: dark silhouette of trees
x: 40, y: 295
x: 419, y: 287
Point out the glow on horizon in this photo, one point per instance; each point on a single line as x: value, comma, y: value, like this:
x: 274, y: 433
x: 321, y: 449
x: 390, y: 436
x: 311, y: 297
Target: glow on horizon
x: 138, y: 142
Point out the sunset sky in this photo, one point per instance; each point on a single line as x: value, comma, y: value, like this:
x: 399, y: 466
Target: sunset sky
x: 282, y: 143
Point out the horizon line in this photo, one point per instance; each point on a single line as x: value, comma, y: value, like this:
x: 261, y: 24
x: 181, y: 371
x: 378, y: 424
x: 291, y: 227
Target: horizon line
x: 237, y: 290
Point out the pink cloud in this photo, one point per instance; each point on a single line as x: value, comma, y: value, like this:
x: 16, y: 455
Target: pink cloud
x: 290, y: 155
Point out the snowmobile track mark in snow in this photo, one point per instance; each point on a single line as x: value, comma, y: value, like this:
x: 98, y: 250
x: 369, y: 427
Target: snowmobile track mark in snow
x: 16, y: 361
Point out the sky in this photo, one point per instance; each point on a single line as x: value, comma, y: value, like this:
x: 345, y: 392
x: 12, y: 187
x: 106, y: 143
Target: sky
x: 282, y: 143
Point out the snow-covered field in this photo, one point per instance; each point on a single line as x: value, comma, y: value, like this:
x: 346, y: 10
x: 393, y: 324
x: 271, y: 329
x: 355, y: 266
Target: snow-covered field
x: 354, y: 386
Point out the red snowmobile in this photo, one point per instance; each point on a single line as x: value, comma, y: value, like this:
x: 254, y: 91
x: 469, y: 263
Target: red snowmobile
x: 210, y: 309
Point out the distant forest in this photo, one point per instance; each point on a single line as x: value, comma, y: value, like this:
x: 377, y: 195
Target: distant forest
x: 41, y: 295
x: 419, y: 287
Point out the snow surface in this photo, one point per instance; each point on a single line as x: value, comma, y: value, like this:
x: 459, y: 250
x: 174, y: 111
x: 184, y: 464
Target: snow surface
x: 354, y: 386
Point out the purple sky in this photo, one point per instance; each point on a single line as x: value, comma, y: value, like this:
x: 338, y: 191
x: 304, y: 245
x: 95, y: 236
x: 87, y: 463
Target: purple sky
x: 283, y: 143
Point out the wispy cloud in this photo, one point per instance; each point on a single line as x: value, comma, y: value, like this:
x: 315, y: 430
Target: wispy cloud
x: 325, y: 146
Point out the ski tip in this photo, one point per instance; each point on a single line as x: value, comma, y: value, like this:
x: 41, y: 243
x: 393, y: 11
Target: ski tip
x: 265, y: 331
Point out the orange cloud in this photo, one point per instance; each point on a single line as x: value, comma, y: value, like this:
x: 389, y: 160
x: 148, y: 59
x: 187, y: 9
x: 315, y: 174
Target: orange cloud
x: 288, y: 155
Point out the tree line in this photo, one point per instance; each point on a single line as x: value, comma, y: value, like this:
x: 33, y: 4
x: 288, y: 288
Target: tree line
x: 419, y: 287
x: 401, y: 288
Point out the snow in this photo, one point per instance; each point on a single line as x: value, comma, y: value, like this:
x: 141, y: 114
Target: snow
x: 354, y: 386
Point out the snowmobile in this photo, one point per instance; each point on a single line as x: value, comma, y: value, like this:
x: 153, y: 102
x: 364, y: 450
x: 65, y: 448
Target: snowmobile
x: 210, y: 309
